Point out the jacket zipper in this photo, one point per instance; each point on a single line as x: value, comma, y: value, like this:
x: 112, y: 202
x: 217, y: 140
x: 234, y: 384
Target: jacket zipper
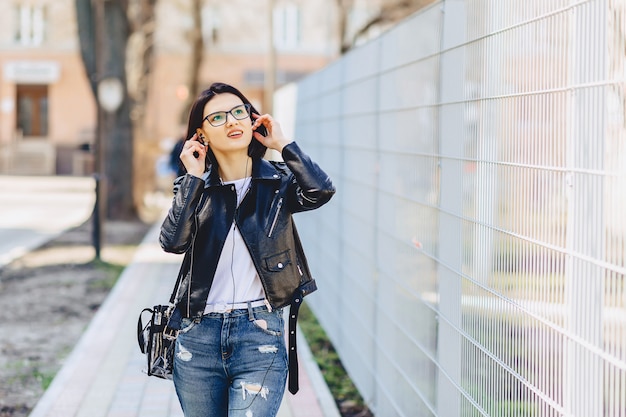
x: 278, y: 206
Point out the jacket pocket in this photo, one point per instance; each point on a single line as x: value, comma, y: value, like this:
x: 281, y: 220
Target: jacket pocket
x: 278, y: 262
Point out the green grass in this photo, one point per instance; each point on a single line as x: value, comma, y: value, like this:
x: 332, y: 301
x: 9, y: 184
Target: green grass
x: 45, y: 378
x: 111, y: 273
x: 336, y: 377
x: 24, y: 370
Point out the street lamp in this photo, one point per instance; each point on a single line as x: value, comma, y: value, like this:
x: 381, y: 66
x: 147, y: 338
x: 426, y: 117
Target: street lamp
x: 110, y: 92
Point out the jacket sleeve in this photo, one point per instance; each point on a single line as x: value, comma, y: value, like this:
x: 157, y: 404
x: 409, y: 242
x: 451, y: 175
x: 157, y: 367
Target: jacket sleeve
x: 179, y: 226
x: 311, y: 187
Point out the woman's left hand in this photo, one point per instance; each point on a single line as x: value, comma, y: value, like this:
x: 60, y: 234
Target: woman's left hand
x: 275, y: 138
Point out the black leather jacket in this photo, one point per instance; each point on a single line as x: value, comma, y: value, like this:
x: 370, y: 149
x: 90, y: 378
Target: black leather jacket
x: 202, y: 211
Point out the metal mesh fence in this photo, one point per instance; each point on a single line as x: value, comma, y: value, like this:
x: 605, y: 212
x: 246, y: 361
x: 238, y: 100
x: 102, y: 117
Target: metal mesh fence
x: 473, y: 262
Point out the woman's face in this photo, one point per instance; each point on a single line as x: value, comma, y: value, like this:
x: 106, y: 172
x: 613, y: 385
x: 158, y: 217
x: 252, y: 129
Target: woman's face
x: 233, y: 135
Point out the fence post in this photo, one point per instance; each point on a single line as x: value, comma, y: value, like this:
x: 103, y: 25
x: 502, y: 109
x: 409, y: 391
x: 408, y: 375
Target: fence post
x: 451, y: 125
x: 584, y: 280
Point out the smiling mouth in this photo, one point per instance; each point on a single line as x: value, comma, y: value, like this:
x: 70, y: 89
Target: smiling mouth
x: 235, y: 134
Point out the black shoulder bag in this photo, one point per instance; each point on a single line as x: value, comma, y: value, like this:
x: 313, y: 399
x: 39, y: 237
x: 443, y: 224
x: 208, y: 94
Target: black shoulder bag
x: 157, y: 339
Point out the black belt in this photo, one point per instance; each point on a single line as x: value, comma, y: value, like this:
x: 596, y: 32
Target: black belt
x: 293, y: 348
x: 305, y: 288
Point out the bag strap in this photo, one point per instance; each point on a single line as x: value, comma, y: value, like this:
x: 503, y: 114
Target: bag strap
x: 140, y: 338
x: 181, y: 273
x: 187, y: 263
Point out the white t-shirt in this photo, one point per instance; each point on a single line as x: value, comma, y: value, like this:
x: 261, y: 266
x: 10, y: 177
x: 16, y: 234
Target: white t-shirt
x: 236, y: 279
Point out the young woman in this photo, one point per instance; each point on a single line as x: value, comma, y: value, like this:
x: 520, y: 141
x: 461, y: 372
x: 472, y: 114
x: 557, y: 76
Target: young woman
x: 231, y: 215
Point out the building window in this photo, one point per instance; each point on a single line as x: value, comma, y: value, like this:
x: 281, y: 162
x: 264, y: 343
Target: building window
x: 32, y: 110
x: 286, y: 26
x: 30, y: 24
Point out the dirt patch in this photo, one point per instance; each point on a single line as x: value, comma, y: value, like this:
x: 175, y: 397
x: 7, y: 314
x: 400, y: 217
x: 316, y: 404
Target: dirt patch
x: 48, y: 298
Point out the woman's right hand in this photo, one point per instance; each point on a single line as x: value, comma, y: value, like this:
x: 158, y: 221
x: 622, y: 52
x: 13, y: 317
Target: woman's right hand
x: 194, y: 165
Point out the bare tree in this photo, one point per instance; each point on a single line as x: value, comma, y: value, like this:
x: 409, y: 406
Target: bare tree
x: 343, y: 8
x: 127, y: 53
x: 139, y: 69
x: 140, y: 55
x: 390, y: 11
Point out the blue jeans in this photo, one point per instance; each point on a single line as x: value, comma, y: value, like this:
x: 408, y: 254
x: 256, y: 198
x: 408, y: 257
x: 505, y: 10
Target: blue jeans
x: 231, y: 364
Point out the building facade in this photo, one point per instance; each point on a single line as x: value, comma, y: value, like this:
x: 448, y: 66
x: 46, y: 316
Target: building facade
x: 47, y: 110
x: 46, y: 106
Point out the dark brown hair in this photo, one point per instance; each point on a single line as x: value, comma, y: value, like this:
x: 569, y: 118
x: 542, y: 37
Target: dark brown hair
x: 256, y: 149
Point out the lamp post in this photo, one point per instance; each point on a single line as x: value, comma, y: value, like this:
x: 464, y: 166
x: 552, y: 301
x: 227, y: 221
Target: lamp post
x: 98, y: 16
x: 110, y: 96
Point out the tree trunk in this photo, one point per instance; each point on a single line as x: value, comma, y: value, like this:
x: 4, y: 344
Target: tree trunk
x: 140, y: 56
x: 197, y: 52
x: 104, y: 55
x: 391, y: 11
x: 139, y: 68
x: 87, y: 39
x: 117, y: 129
x: 343, y: 7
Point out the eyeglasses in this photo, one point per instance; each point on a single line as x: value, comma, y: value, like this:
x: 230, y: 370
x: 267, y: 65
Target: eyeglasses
x: 219, y: 117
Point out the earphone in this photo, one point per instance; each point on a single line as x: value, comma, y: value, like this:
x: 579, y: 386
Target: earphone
x: 201, y: 137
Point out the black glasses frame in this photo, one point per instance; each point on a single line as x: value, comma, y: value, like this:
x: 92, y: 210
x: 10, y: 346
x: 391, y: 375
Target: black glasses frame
x: 226, y: 113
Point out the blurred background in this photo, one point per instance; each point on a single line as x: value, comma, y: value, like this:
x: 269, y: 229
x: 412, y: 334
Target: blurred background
x: 54, y: 55
x: 473, y: 261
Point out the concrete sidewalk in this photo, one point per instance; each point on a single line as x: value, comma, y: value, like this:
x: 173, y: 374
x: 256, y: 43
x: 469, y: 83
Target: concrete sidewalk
x: 103, y: 375
x: 28, y: 204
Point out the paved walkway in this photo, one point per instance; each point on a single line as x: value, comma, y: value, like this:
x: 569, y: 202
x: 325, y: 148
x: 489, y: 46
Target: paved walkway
x: 28, y: 203
x: 103, y: 375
